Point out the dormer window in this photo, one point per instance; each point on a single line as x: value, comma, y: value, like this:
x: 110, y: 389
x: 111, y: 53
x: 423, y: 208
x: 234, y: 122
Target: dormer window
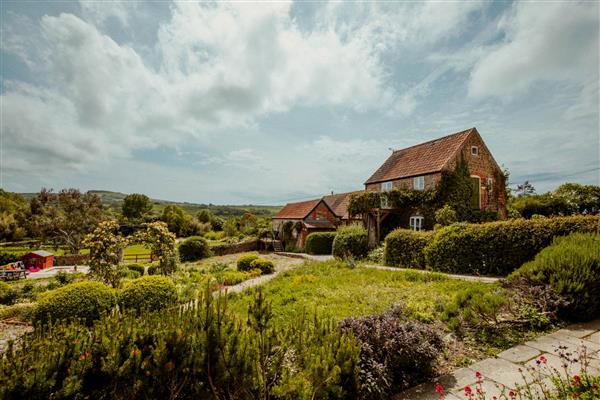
x: 419, y: 183
x: 474, y: 151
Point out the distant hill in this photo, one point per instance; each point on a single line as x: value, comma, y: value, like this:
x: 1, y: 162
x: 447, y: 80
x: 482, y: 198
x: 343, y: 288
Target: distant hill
x: 114, y: 200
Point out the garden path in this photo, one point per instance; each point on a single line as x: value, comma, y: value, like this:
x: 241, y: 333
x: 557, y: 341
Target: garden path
x: 512, y: 366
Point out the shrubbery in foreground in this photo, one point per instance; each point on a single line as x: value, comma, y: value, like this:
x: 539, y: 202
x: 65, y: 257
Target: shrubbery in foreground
x: 82, y: 300
x: 198, y: 352
x: 150, y: 293
x: 571, y: 266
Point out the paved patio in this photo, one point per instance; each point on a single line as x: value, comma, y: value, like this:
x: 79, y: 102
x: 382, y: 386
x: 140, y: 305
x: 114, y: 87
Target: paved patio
x: 509, y: 369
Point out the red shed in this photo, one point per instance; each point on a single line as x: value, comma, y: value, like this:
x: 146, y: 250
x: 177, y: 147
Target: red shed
x: 38, y: 259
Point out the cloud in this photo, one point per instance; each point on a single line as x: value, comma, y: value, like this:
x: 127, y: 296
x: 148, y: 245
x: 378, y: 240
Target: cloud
x: 555, y: 41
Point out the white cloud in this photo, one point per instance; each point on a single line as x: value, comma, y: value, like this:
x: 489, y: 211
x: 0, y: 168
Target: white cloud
x: 550, y: 41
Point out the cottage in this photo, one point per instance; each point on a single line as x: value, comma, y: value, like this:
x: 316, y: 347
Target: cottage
x: 421, y: 167
x: 296, y: 220
x: 38, y: 259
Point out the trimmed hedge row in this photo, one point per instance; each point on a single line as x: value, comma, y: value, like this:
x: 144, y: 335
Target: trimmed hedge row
x: 495, y: 248
x: 571, y: 265
x: 149, y: 293
x: 319, y: 242
x: 404, y: 248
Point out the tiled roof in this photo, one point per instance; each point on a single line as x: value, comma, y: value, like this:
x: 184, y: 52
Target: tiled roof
x: 297, y: 210
x: 421, y: 159
x: 339, y: 203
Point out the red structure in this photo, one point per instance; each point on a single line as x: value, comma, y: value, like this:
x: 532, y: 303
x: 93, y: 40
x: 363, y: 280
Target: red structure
x: 38, y: 259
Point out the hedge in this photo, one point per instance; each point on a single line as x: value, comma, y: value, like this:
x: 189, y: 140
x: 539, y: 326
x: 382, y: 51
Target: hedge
x: 150, y: 293
x: 571, y: 265
x: 319, y: 242
x: 404, y: 248
x: 498, y: 248
x: 86, y: 301
x: 351, y: 240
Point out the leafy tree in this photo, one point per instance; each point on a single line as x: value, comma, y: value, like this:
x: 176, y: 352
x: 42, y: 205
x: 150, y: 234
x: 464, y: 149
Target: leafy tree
x: 106, y: 249
x: 135, y: 206
x: 248, y: 223
x: 12, y: 216
x: 583, y: 198
x: 65, y: 217
x: 204, y: 216
x: 525, y: 189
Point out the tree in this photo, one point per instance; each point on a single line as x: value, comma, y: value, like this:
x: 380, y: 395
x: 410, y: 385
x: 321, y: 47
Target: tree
x: 12, y: 216
x: 65, y: 217
x: 204, y: 216
x: 583, y: 198
x: 525, y: 189
x: 135, y: 206
x: 248, y: 223
x: 106, y: 249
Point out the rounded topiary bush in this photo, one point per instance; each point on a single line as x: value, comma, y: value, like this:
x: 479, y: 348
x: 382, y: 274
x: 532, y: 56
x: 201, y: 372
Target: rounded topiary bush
x: 571, y: 266
x: 194, y: 248
x: 153, y: 270
x: 265, y: 266
x: 148, y: 293
x: 244, y: 263
x: 350, y: 241
x: 85, y: 301
x: 136, y: 267
x: 319, y: 242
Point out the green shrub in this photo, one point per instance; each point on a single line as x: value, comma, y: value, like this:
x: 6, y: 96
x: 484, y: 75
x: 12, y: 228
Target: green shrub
x: 7, y: 294
x: 22, y: 311
x: 199, y: 352
x: 129, y: 273
x: 498, y: 248
x: 136, y: 267
x: 571, y: 265
x: 82, y: 300
x: 153, y: 270
x: 474, y: 307
x: 319, y: 242
x: 376, y: 255
x: 446, y: 216
x: 265, y: 266
x: 244, y: 263
x: 193, y: 249
x: 350, y: 241
x: 395, y: 353
x: 148, y: 293
x: 404, y: 248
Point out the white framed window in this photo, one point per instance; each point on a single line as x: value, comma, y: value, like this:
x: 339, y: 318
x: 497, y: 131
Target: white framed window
x: 474, y: 150
x: 385, y: 187
x: 419, y: 183
x: 416, y: 222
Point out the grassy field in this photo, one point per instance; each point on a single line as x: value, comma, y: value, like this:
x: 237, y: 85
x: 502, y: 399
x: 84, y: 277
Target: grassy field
x: 333, y: 290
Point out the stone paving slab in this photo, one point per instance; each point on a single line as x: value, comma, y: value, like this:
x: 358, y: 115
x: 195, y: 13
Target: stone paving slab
x: 520, y: 354
x: 502, y: 371
x: 513, y: 365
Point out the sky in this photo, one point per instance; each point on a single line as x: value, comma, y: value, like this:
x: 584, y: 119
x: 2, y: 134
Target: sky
x: 270, y: 102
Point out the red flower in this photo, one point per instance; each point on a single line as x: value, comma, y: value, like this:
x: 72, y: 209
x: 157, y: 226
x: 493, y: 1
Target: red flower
x: 468, y: 390
x: 577, y: 378
x: 512, y: 394
x: 543, y: 359
x: 170, y: 365
x: 84, y: 355
x: 478, y: 374
x: 439, y: 388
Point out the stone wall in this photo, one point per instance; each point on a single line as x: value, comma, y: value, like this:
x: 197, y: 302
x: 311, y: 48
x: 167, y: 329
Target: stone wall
x: 223, y: 249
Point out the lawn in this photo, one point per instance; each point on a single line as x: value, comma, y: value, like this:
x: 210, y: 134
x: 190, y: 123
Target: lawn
x: 333, y: 290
